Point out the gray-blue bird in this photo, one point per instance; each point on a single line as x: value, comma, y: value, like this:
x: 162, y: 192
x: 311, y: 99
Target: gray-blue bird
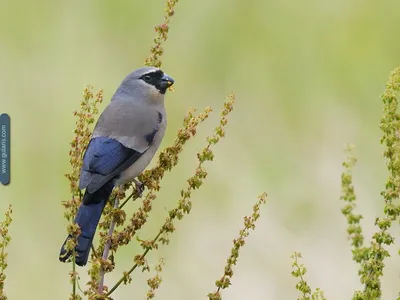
x: 125, y: 139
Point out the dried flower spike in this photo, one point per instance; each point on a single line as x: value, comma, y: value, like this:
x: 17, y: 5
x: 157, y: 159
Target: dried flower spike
x: 4, y: 241
x: 184, y: 204
x: 249, y: 224
x: 161, y: 36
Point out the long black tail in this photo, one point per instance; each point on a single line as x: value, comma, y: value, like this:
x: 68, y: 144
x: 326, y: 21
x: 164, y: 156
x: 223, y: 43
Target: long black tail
x: 87, y: 218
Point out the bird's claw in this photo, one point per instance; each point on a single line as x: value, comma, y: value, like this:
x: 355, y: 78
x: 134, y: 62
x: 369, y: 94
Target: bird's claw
x: 139, y: 187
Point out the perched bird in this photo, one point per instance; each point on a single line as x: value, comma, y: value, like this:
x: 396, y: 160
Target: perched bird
x: 125, y: 139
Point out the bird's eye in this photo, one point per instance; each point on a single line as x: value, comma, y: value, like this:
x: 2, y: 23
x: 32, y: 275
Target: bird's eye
x: 147, y: 78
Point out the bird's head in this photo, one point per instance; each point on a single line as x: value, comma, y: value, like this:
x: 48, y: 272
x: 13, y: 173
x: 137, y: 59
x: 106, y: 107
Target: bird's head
x: 148, y: 82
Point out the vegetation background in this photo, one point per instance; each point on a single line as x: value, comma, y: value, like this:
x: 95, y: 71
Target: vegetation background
x: 307, y: 76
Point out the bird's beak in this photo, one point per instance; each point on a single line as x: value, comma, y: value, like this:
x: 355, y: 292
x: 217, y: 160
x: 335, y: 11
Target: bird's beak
x: 168, y: 81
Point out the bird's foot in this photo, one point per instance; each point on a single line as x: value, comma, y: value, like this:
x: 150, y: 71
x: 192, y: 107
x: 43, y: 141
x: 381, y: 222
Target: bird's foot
x: 139, y: 187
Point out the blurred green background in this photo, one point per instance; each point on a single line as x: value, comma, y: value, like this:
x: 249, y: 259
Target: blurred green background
x: 307, y: 75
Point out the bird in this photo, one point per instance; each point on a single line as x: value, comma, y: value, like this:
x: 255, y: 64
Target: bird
x: 125, y: 139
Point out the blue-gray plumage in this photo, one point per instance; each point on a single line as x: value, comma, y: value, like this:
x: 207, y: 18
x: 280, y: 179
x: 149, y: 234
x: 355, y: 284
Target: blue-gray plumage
x: 124, y: 141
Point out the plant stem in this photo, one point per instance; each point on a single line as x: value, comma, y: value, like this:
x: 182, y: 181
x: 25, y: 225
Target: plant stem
x: 94, y: 251
x: 107, y: 249
x: 74, y: 274
x: 134, y: 266
x: 126, y: 200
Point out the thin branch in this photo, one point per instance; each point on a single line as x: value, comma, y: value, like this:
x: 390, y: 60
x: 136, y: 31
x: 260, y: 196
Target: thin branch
x: 162, y: 30
x: 94, y: 251
x: 249, y: 224
x: 107, y: 248
x: 126, y: 274
x: 74, y: 274
x: 126, y: 200
x: 184, y: 204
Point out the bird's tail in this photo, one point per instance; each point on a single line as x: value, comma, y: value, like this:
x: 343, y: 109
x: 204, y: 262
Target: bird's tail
x: 87, y: 218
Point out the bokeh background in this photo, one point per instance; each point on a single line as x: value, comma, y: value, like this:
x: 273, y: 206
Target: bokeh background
x: 307, y: 75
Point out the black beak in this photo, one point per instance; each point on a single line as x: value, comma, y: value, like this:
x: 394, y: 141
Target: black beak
x: 169, y: 80
x: 165, y: 83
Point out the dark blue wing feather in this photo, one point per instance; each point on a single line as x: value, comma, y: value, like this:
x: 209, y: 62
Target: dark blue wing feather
x: 104, y: 155
x: 104, y: 159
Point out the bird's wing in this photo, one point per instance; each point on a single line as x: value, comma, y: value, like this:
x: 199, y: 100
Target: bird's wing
x: 104, y: 159
x: 124, y: 132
